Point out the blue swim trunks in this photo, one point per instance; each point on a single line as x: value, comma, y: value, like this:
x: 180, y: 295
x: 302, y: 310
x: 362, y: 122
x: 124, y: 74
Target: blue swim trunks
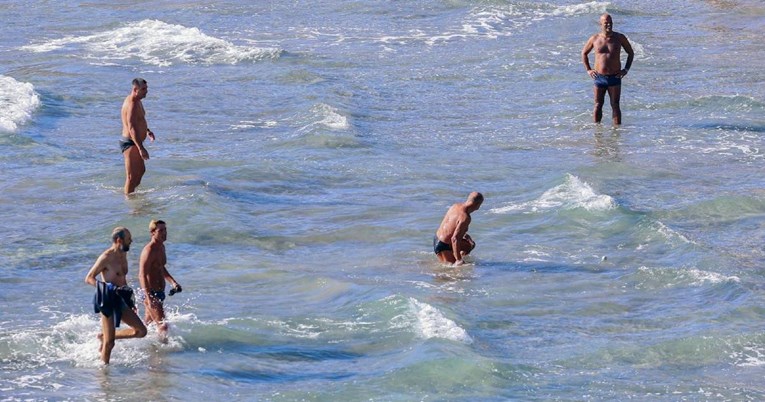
x: 605, y: 81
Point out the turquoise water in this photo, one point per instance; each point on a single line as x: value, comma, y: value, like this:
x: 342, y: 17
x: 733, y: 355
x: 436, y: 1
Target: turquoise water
x: 305, y: 155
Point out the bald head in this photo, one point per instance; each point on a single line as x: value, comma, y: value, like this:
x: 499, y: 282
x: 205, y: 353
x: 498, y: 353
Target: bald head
x: 474, y: 200
x: 606, y: 23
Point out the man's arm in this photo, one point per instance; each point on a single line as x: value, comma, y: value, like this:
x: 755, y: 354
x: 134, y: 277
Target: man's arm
x: 96, y: 269
x: 630, y: 53
x: 459, y: 233
x: 586, y: 56
x: 170, y: 278
x: 145, y: 266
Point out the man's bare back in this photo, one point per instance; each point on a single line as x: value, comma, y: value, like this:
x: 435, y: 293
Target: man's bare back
x: 452, y: 242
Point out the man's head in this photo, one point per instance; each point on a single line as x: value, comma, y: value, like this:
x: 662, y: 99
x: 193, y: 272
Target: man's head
x: 122, y: 237
x: 140, y: 87
x: 158, y: 230
x: 474, y: 201
x: 606, y: 24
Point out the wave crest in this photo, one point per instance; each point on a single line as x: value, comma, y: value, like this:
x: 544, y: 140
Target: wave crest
x: 572, y: 194
x: 18, y: 100
x: 159, y: 43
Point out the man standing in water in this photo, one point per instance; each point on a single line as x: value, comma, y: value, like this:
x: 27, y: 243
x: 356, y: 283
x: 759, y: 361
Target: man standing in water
x: 152, y: 275
x: 608, y: 72
x: 114, y: 298
x: 134, y: 132
x: 451, y: 242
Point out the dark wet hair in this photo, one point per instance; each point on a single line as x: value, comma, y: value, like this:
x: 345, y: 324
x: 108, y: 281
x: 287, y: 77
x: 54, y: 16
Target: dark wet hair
x: 139, y: 82
x: 119, y: 233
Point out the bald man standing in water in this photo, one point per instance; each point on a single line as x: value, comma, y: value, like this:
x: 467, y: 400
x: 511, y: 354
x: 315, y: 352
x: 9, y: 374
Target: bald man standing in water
x: 451, y: 242
x: 608, y: 72
x: 114, y: 298
x: 134, y: 132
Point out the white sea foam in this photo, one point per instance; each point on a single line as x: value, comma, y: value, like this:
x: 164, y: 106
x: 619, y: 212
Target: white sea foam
x: 593, y: 7
x: 431, y: 323
x: 506, y: 20
x: 750, y: 356
x: 687, y: 276
x: 330, y: 117
x: 572, y: 194
x: 327, y: 117
x: 18, y: 100
x: 671, y: 234
x: 157, y: 43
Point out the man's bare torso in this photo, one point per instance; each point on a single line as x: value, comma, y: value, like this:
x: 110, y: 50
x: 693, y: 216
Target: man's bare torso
x: 153, y: 271
x: 607, y: 53
x: 116, y: 267
x: 138, y: 117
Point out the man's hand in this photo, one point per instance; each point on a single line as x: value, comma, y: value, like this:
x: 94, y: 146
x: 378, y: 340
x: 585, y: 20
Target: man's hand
x: 151, y: 135
x: 623, y: 73
x: 143, y: 152
x: 176, y: 289
x: 458, y: 263
x: 592, y: 73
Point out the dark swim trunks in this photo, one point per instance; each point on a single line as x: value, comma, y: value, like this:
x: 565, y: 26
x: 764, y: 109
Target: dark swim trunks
x: 111, y: 300
x: 605, y: 81
x: 157, y: 295
x: 439, y: 246
x: 126, y: 143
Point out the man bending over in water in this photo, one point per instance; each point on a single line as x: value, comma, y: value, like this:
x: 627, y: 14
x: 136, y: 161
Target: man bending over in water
x: 451, y: 242
x: 134, y: 132
x: 114, y: 298
x: 152, y: 275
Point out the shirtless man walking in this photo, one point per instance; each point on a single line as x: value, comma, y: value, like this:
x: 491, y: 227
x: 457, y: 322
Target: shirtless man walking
x: 451, y: 242
x: 608, y: 72
x: 113, y: 297
x: 152, y: 275
x: 134, y: 133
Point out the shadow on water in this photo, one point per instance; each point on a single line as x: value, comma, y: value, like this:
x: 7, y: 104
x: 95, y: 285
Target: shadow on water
x: 607, y: 145
x: 275, y: 355
x: 256, y: 376
x: 539, y: 267
x: 755, y: 128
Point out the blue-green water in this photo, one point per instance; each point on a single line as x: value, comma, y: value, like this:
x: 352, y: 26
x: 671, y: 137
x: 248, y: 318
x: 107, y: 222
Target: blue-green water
x: 305, y: 154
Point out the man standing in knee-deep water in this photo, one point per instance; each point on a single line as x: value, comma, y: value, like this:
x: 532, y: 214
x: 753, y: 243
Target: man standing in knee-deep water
x: 451, y: 242
x: 608, y: 72
x: 114, y: 298
x: 134, y: 132
x: 152, y: 275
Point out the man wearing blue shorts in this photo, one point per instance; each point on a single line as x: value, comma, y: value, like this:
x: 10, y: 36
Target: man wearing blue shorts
x: 608, y: 72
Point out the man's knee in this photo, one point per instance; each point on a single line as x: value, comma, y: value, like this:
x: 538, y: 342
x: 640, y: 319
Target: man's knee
x: 140, y: 331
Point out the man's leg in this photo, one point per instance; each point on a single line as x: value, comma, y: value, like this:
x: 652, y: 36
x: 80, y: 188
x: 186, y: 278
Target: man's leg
x: 446, y: 256
x: 467, y: 245
x: 155, y: 310
x: 600, y: 97
x: 107, y: 338
x: 134, y: 169
x: 136, y: 330
x: 614, y: 93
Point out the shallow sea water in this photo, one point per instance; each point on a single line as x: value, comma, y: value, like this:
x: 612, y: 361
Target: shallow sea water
x: 305, y: 154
